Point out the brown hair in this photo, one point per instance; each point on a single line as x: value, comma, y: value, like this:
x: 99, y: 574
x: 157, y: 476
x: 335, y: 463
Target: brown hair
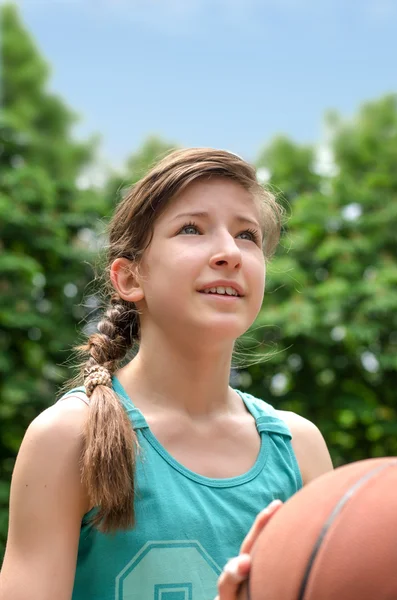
x: 110, y: 447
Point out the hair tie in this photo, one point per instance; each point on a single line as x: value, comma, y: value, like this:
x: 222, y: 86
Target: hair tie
x: 96, y: 375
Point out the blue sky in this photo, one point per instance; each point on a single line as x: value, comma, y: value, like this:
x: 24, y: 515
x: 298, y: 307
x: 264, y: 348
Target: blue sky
x: 222, y: 73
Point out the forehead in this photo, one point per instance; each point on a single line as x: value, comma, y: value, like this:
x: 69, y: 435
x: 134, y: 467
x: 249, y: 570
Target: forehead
x: 215, y: 195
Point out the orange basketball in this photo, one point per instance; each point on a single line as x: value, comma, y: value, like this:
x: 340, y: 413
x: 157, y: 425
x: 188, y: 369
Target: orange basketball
x: 334, y: 540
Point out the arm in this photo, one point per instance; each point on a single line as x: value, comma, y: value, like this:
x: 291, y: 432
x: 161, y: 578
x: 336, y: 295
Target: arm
x: 47, y: 503
x: 309, y: 446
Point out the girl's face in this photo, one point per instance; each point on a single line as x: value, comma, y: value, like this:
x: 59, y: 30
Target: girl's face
x: 208, y: 238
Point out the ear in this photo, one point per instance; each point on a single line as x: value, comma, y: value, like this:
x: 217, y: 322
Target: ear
x: 125, y: 281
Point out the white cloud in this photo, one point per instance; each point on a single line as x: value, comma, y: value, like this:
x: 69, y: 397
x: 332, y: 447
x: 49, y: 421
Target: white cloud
x: 182, y: 18
x: 172, y: 16
x: 177, y: 11
x: 381, y: 10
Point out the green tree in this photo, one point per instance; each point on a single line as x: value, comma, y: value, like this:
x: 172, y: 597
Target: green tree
x: 331, y: 305
x: 137, y: 165
x: 292, y: 168
x: 46, y: 233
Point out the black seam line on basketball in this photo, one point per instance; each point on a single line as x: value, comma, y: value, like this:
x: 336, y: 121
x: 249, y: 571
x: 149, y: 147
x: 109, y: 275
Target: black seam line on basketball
x: 342, y: 502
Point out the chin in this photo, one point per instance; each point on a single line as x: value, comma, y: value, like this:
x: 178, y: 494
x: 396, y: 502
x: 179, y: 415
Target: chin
x: 223, y: 329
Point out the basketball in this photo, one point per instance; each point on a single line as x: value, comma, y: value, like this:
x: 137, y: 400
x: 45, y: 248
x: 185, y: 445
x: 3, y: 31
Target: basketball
x: 336, y: 539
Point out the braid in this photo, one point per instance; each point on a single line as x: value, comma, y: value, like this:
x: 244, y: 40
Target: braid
x: 110, y: 442
x: 117, y: 331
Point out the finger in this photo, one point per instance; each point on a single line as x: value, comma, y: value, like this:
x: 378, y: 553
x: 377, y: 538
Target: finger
x: 261, y: 520
x: 234, y: 573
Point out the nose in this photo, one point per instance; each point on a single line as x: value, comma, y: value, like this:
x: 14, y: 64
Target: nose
x: 227, y: 254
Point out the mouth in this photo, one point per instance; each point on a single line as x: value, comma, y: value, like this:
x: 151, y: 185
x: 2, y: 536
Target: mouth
x: 229, y: 291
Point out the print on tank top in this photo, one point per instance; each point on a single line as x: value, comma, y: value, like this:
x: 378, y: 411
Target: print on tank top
x: 173, y: 570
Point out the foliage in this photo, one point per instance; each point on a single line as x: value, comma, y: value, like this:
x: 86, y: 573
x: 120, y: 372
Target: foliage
x: 152, y: 150
x: 291, y: 168
x: 45, y: 228
x: 331, y: 305
x: 330, y: 308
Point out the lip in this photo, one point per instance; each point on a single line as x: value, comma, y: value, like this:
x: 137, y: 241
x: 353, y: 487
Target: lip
x: 223, y: 283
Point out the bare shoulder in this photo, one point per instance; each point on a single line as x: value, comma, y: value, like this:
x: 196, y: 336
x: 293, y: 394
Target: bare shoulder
x: 62, y: 423
x: 309, y: 446
x: 52, y: 445
x: 68, y: 416
x: 47, y: 503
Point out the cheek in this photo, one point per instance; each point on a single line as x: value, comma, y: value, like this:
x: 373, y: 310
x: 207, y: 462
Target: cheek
x: 178, y: 265
x: 167, y: 276
x: 256, y: 284
x: 257, y: 274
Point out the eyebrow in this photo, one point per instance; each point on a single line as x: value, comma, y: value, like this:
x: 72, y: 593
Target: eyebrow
x: 205, y: 215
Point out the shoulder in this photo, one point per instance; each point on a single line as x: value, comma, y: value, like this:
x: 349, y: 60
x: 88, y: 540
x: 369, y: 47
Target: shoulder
x: 63, y: 421
x: 309, y: 446
x: 58, y: 430
x: 257, y: 406
x: 47, y: 504
x: 53, y: 444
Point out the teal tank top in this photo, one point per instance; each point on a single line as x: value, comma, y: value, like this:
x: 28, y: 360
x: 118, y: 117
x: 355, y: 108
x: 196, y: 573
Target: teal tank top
x: 187, y: 525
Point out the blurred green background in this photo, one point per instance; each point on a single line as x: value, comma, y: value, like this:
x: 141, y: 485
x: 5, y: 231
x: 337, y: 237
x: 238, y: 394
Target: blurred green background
x: 329, y: 318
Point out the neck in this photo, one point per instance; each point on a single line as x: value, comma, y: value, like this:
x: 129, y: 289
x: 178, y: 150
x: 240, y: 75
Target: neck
x: 187, y: 376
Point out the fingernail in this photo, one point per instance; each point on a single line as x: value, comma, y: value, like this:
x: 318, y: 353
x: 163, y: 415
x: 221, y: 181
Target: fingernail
x: 274, y: 504
x: 232, y: 568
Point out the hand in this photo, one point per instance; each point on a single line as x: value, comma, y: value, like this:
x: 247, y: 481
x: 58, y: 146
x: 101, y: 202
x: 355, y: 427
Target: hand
x: 237, y: 569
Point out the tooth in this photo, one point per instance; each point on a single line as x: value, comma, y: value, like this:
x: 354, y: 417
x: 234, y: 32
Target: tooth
x: 220, y: 290
x: 230, y: 291
x: 213, y: 290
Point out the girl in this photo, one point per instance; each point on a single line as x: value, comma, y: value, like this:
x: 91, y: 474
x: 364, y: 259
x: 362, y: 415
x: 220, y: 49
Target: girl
x: 141, y: 484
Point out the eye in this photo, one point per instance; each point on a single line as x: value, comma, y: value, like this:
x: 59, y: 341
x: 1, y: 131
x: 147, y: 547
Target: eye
x: 250, y: 235
x: 189, y: 229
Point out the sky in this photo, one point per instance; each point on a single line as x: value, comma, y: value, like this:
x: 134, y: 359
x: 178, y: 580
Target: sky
x: 228, y: 74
